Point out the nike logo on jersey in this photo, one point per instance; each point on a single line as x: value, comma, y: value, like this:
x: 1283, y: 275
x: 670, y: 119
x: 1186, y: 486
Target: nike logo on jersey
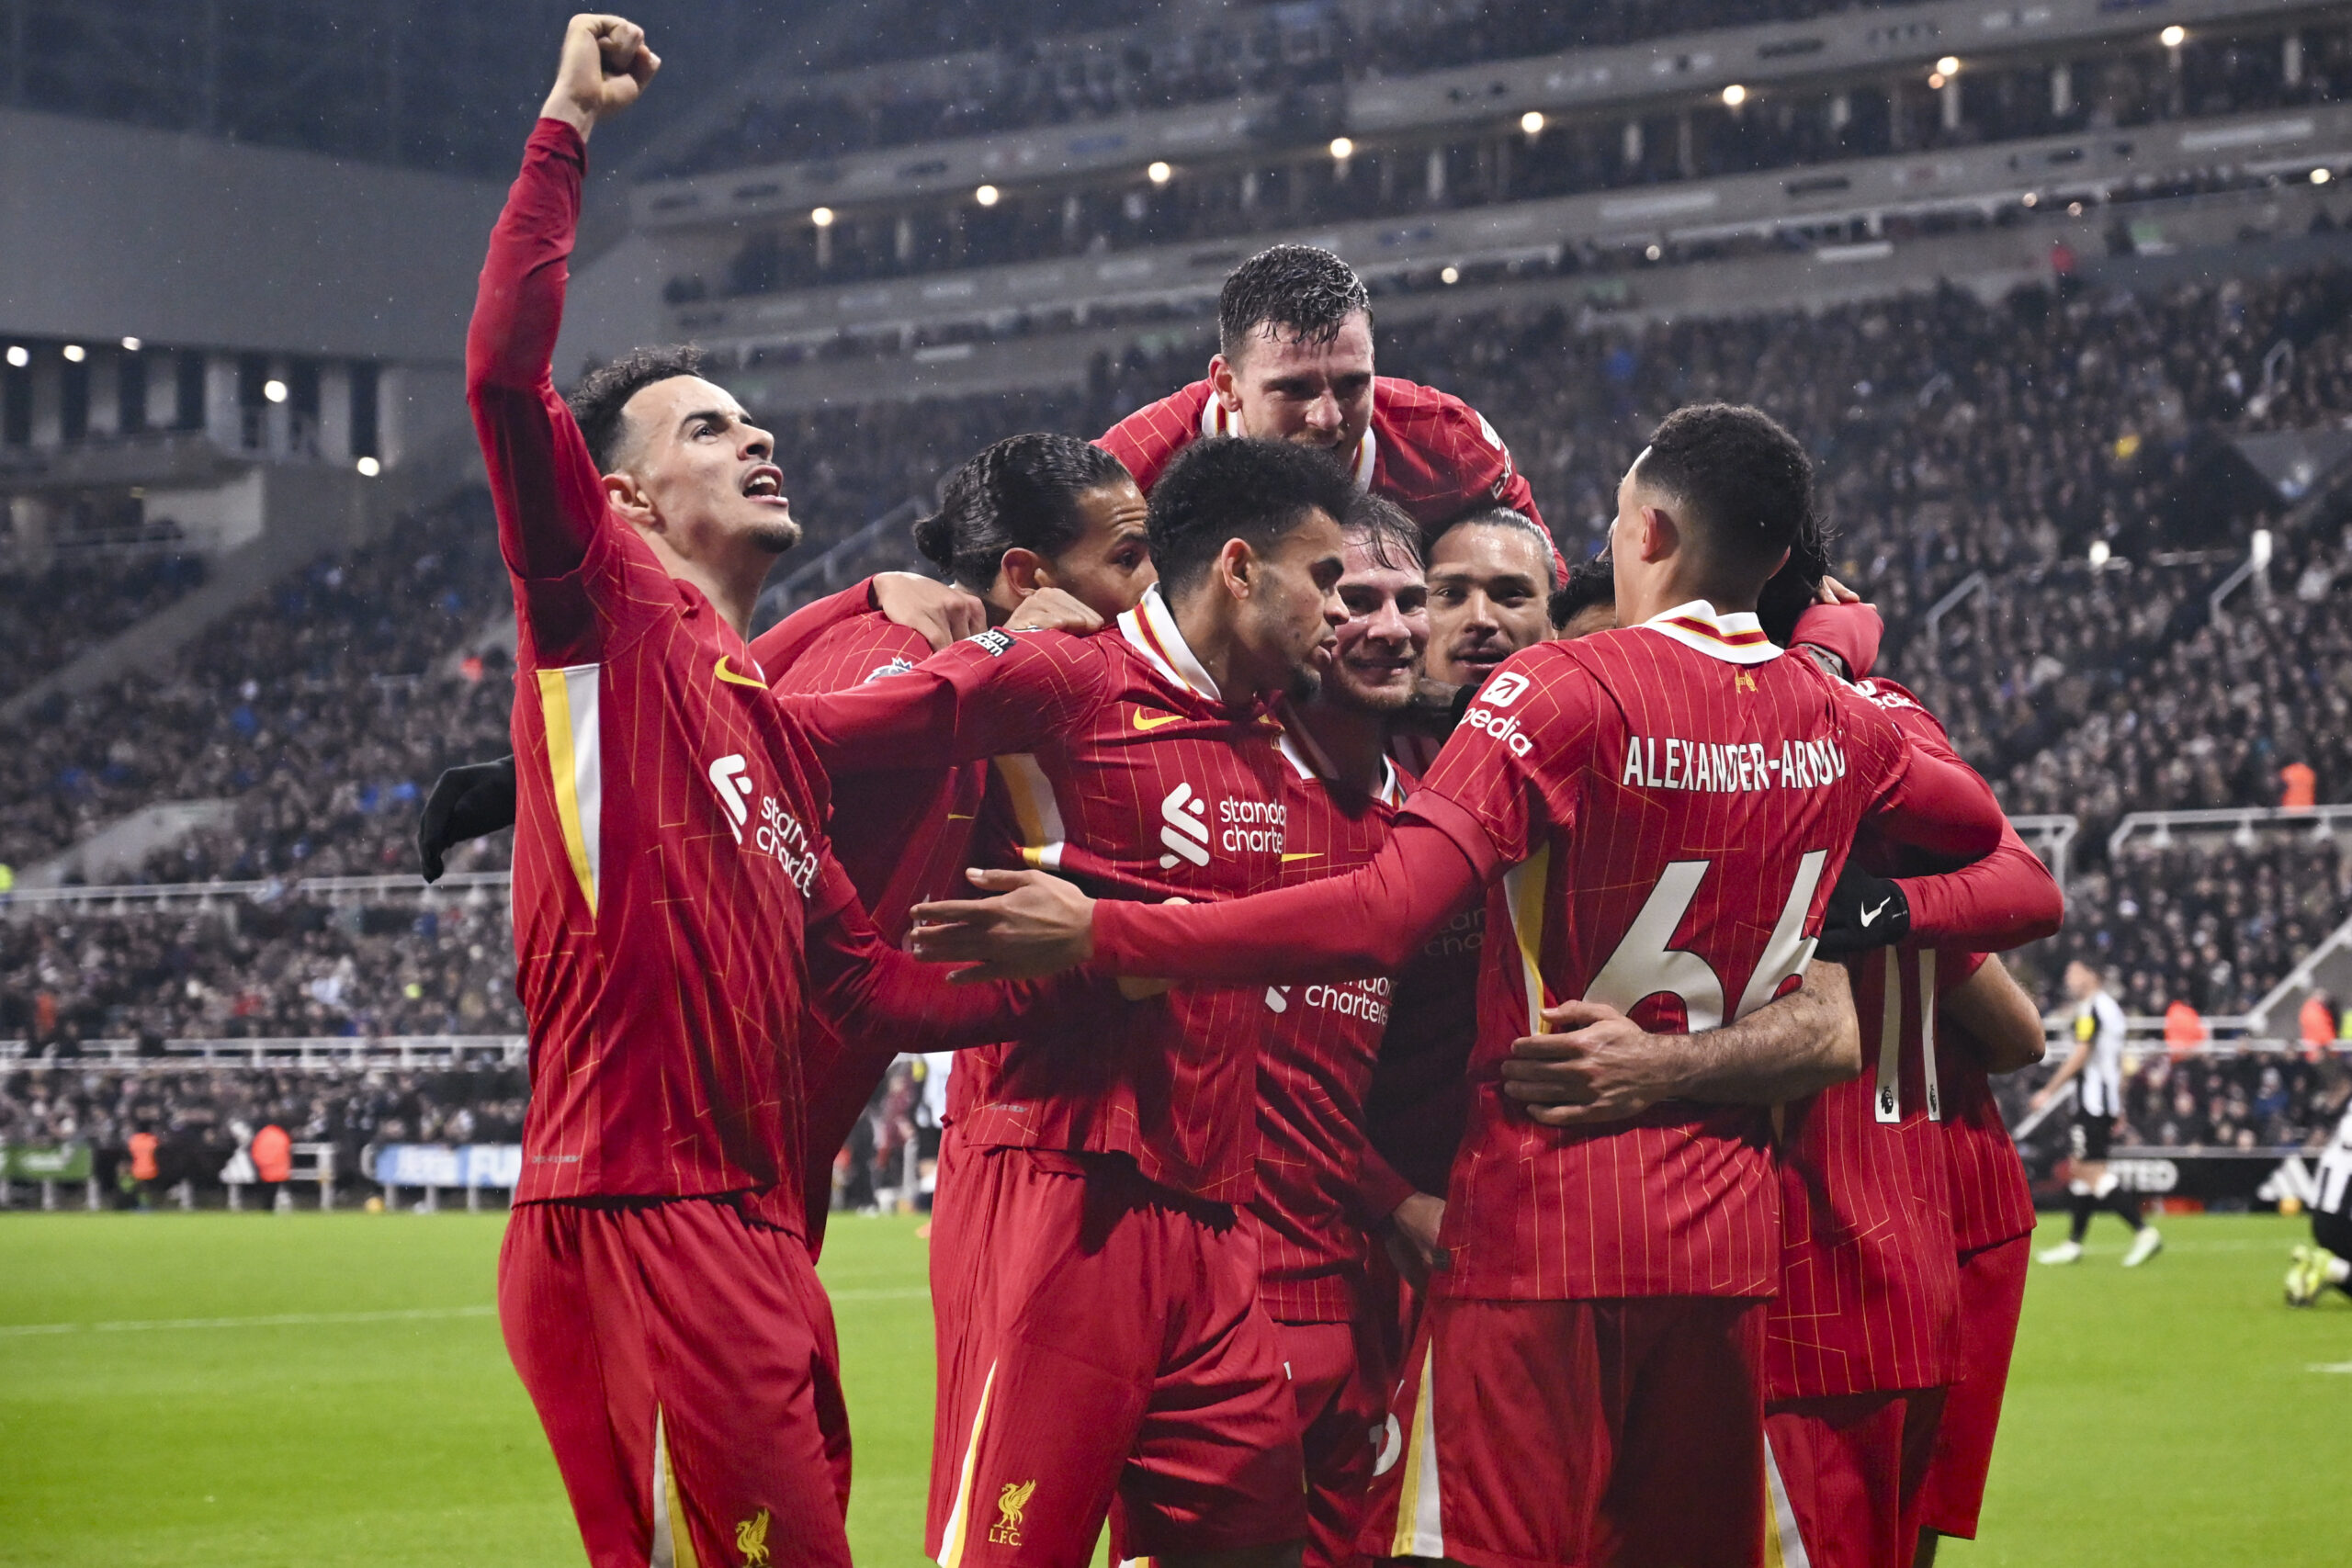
x: 1870, y: 915
x: 1153, y: 721
x: 733, y: 679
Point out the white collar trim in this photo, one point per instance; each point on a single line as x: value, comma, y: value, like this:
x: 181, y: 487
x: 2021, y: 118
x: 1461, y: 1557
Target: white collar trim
x: 1736, y: 638
x: 1151, y: 629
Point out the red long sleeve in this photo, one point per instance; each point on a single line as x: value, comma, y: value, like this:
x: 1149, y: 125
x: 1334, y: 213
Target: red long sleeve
x: 1367, y: 922
x: 2005, y: 900
x: 864, y: 988
x: 548, y: 495
x: 1379, y: 1188
x: 979, y: 698
x: 777, y: 648
x: 1941, y: 806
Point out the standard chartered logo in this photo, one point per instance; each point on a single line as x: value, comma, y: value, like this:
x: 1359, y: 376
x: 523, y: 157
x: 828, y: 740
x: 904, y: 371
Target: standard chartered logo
x: 1243, y: 826
x: 1183, y: 830
x: 728, y: 777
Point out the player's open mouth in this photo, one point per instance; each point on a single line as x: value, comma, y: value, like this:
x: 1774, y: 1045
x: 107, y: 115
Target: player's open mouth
x: 765, y: 482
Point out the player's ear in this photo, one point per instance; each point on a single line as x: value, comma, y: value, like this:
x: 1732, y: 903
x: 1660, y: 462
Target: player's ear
x: 628, y: 498
x: 1237, y: 568
x: 1222, y: 384
x: 1024, y: 572
x: 1661, y: 534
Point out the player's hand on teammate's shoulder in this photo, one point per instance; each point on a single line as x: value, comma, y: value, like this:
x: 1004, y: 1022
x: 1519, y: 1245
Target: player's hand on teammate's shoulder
x: 1595, y: 1064
x: 1053, y: 610
x: 1034, y: 925
x: 941, y: 613
x: 603, y: 67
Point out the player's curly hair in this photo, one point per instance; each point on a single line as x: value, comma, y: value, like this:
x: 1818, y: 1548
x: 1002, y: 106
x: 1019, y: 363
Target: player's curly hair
x: 1744, y: 480
x: 1303, y: 290
x: 1022, y: 492
x: 1228, y: 487
x: 1792, y: 586
x: 1590, y: 583
x: 597, y: 400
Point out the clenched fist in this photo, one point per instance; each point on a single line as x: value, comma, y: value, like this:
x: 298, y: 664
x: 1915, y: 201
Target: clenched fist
x: 606, y: 64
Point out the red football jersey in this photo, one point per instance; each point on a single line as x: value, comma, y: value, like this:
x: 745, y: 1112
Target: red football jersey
x: 669, y: 848
x: 902, y: 836
x: 1675, y: 800
x: 1130, y: 773
x: 1320, y: 1187
x: 1990, y: 1201
x: 1426, y: 450
x: 1870, y: 1282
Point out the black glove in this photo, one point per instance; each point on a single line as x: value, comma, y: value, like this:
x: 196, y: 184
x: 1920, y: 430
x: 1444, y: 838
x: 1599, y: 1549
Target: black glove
x: 467, y: 802
x: 1865, y: 911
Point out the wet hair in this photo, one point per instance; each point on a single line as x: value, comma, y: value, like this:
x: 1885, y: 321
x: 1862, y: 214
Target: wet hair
x: 1744, y: 482
x: 1792, y: 586
x: 1022, y: 493
x: 1302, y: 290
x: 1505, y: 517
x: 1396, y: 539
x: 597, y: 402
x: 1229, y: 487
x: 1590, y: 582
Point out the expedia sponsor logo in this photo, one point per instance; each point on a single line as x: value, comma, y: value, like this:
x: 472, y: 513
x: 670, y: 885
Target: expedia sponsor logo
x: 1502, y: 690
x: 995, y: 640
x: 1496, y: 726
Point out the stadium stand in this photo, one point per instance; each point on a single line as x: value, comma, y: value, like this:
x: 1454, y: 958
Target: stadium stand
x: 49, y: 617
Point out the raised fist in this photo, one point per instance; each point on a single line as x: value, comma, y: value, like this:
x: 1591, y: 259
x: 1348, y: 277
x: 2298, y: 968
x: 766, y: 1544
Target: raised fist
x: 606, y: 64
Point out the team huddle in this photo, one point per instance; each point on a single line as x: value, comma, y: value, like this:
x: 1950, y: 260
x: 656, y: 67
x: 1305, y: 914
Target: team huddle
x: 1398, y: 1111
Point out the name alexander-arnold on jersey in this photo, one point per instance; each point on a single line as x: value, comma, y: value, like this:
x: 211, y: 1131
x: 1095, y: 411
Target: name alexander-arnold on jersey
x: 1675, y: 763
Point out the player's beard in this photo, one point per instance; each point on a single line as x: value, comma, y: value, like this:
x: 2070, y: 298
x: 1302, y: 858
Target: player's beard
x: 1305, y: 681
x: 775, y: 535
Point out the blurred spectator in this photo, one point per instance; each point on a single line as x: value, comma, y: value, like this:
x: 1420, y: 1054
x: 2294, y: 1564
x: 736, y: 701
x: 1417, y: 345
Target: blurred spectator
x: 2184, y: 1030
x: 2299, y: 786
x: 2316, y: 1019
x: 272, y: 1152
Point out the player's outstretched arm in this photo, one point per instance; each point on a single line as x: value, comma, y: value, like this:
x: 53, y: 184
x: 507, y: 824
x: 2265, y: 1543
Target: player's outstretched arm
x: 1599, y: 1066
x: 1367, y: 922
x: 862, y: 987
x: 1996, y: 1018
x: 548, y: 495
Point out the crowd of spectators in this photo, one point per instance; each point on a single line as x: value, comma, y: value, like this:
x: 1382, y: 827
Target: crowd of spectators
x: 969, y: 71
x: 269, y: 966
x: 2210, y: 920
x: 201, y: 1116
x: 1297, y: 182
x: 320, y: 709
x: 49, y: 618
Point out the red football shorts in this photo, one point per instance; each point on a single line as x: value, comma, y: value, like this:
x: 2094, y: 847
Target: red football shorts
x: 681, y: 1359
x: 1563, y: 1434
x: 1340, y: 1373
x: 1992, y: 1293
x: 1845, y: 1477
x: 1113, y: 1351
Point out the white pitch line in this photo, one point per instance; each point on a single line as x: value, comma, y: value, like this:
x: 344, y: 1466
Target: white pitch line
x: 311, y: 1319
x: 2330, y: 1367
x: 276, y: 1320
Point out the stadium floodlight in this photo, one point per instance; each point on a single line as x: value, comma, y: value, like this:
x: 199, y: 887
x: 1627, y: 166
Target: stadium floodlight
x: 2031, y: 199
x: 1653, y: 252
x: 987, y: 195
x: 2321, y: 176
x: 1449, y: 276
x: 821, y: 216
x: 2073, y: 209
x: 75, y: 353
x: 2099, y: 553
x: 1532, y: 122
x: 2260, y: 554
x: 1949, y: 65
x: 1734, y: 95
x: 2173, y: 37
x: 130, y: 346
x: 368, y: 468
x: 1159, y: 173
x: 274, y: 389
x: 1342, y: 148
x: 19, y: 356
x: 1936, y: 79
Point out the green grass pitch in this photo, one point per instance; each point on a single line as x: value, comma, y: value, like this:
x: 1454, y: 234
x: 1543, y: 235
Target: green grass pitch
x: 152, y: 1414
